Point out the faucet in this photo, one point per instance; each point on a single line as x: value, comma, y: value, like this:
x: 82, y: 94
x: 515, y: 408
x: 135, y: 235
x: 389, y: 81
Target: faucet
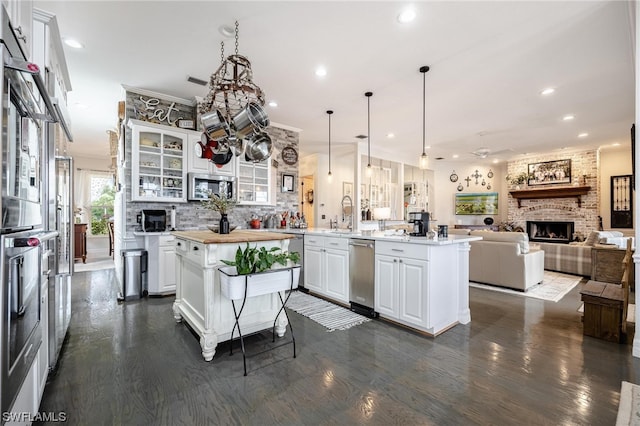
x: 350, y: 205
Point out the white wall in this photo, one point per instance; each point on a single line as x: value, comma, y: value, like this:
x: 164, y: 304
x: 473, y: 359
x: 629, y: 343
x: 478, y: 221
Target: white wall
x: 613, y: 162
x: 445, y: 190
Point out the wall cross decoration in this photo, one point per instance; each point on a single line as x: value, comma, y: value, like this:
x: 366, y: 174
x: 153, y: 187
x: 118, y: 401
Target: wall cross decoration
x: 476, y: 175
x: 468, y: 179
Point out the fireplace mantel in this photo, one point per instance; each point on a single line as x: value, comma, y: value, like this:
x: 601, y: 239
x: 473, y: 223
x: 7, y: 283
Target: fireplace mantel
x: 566, y: 192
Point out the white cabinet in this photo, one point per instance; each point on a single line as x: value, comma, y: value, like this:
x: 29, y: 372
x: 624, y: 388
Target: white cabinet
x: 199, y: 165
x: 21, y: 16
x: 254, y: 182
x: 402, y: 283
x: 326, y: 266
x: 158, y: 169
x: 161, y: 270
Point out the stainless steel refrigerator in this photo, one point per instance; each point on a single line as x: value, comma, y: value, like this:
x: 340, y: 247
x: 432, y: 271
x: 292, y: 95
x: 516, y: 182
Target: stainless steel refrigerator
x: 60, y: 281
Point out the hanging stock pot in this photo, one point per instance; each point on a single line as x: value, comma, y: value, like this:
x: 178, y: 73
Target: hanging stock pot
x: 259, y: 147
x: 250, y: 119
x: 214, y: 125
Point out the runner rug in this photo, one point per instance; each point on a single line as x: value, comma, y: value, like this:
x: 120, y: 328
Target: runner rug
x: 327, y: 314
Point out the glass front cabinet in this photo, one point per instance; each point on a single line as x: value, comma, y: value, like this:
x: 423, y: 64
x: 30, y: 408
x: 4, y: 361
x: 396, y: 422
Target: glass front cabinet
x: 254, y: 182
x: 158, y: 169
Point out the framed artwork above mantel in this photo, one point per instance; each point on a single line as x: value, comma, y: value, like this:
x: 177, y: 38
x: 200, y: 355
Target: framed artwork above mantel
x: 549, y: 172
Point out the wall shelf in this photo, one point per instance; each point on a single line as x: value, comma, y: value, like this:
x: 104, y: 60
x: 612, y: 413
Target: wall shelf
x: 566, y: 192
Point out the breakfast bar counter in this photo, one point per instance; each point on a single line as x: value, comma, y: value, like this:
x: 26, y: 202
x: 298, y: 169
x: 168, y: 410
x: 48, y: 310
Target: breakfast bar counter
x: 199, y: 299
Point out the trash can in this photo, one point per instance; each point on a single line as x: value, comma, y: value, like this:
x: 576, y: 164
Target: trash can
x: 134, y: 279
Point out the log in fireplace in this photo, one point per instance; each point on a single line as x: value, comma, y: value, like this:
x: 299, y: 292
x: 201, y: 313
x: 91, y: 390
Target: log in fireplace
x: 550, y: 232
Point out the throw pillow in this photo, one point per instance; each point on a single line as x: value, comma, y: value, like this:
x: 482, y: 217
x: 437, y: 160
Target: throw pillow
x: 592, y: 238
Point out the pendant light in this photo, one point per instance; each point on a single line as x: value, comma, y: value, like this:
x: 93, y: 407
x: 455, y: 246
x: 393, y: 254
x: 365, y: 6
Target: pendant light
x: 369, y: 169
x: 329, y: 177
x: 424, y: 158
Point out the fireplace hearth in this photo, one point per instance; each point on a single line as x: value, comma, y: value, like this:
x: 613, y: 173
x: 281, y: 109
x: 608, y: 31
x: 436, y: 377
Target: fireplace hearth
x: 550, y: 232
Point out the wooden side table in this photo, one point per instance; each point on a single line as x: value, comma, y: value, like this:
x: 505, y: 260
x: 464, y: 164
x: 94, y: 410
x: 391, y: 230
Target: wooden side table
x: 606, y: 266
x: 80, y: 241
x: 603, y: 309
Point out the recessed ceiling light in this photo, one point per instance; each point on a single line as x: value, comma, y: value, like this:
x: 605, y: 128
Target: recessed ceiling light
x: 321, y: 71
x: 548, y: 91
x: 495, y: 160
x: 583, y: 135
x: 273, y: 104
x: 407, y: 15
x: 391, y: 135
x: 568, y: 117
x: 615, y: 144
x: 428, y: 147
x: 226, y: 30
x: 73, y: 43
x: 455, y: 156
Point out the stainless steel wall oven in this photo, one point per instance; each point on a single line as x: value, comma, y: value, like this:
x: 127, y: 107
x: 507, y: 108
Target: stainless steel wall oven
x: 25, y: 106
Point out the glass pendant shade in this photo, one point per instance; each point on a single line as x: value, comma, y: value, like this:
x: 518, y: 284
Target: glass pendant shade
x: 424, y: 161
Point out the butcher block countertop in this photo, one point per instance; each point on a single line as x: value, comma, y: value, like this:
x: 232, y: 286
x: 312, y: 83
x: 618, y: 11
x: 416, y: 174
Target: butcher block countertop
x: 237, y: 236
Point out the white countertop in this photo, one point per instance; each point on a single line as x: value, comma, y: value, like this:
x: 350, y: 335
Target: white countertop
x: 376, y: 235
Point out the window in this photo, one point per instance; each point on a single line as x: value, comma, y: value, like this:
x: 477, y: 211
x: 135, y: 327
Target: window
x: 101, y: 208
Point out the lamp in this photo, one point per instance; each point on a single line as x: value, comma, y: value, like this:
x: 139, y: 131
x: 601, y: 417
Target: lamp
x: 329, y: 177
x: 369, y: 169
x: 424, y: 158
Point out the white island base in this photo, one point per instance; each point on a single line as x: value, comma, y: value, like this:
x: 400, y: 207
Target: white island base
x: 199, y: 300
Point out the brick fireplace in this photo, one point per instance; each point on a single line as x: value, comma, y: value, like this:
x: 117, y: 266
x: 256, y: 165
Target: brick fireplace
x: 583, y: 214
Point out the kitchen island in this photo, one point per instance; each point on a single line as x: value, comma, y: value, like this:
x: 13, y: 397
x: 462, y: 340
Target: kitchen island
x: 199, y: 300
x: 418, y: 283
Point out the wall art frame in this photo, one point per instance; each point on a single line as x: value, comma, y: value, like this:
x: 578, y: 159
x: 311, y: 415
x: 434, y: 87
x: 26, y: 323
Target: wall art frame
x: 549, y: 172
x: 288, y: 183
x: 481, y: 203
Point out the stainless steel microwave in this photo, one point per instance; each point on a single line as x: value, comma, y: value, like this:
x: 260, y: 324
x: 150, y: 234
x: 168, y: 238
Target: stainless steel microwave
x: 200, y: 186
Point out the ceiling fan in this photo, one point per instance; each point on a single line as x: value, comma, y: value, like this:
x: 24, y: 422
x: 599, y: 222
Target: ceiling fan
x: 484, y: 152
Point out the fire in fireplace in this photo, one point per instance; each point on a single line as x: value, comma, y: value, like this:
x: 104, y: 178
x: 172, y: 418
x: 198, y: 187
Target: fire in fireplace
x: 550, y: 232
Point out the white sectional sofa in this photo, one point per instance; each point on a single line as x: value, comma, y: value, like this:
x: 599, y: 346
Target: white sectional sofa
x: 505, y: 259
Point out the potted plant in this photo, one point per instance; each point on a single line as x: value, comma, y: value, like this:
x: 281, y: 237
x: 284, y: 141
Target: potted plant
x: 518, y: 179
x: 222, y: 204
x: 256, y: 271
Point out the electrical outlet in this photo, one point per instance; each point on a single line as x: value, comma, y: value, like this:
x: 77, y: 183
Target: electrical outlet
x: 324, y: 216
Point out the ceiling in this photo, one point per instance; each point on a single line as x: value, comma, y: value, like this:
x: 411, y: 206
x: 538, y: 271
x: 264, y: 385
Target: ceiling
x: 489, y: 62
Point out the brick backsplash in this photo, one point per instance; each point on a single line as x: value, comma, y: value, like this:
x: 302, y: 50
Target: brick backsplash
x: 192, y: 215
x: 584, y: 172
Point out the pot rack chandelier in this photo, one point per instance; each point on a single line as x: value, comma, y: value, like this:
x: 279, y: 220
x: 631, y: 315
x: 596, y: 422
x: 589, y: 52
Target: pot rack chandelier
x: 329, y: 176
x: 424, y: 158
x: 232, y: 114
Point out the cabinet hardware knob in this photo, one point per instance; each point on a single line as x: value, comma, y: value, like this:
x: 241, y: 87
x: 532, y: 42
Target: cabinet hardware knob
x: 178, y: 244
x: 195, y: 248
x: 395, y: 260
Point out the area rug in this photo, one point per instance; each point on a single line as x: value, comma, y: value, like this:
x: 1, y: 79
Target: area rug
x: 629, y: 407
x: 554, y: 287
x: 327, y: 314
x: 631, y: 312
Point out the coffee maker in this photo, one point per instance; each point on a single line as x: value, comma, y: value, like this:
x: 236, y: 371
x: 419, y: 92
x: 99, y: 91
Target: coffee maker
x: 420, y: 222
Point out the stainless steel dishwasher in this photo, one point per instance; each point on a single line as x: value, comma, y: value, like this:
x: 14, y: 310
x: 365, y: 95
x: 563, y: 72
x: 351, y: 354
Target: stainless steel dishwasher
x: 361, y: 276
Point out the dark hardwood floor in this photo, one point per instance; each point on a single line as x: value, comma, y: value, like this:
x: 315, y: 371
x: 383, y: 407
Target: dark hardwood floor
x: 519, y: 361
